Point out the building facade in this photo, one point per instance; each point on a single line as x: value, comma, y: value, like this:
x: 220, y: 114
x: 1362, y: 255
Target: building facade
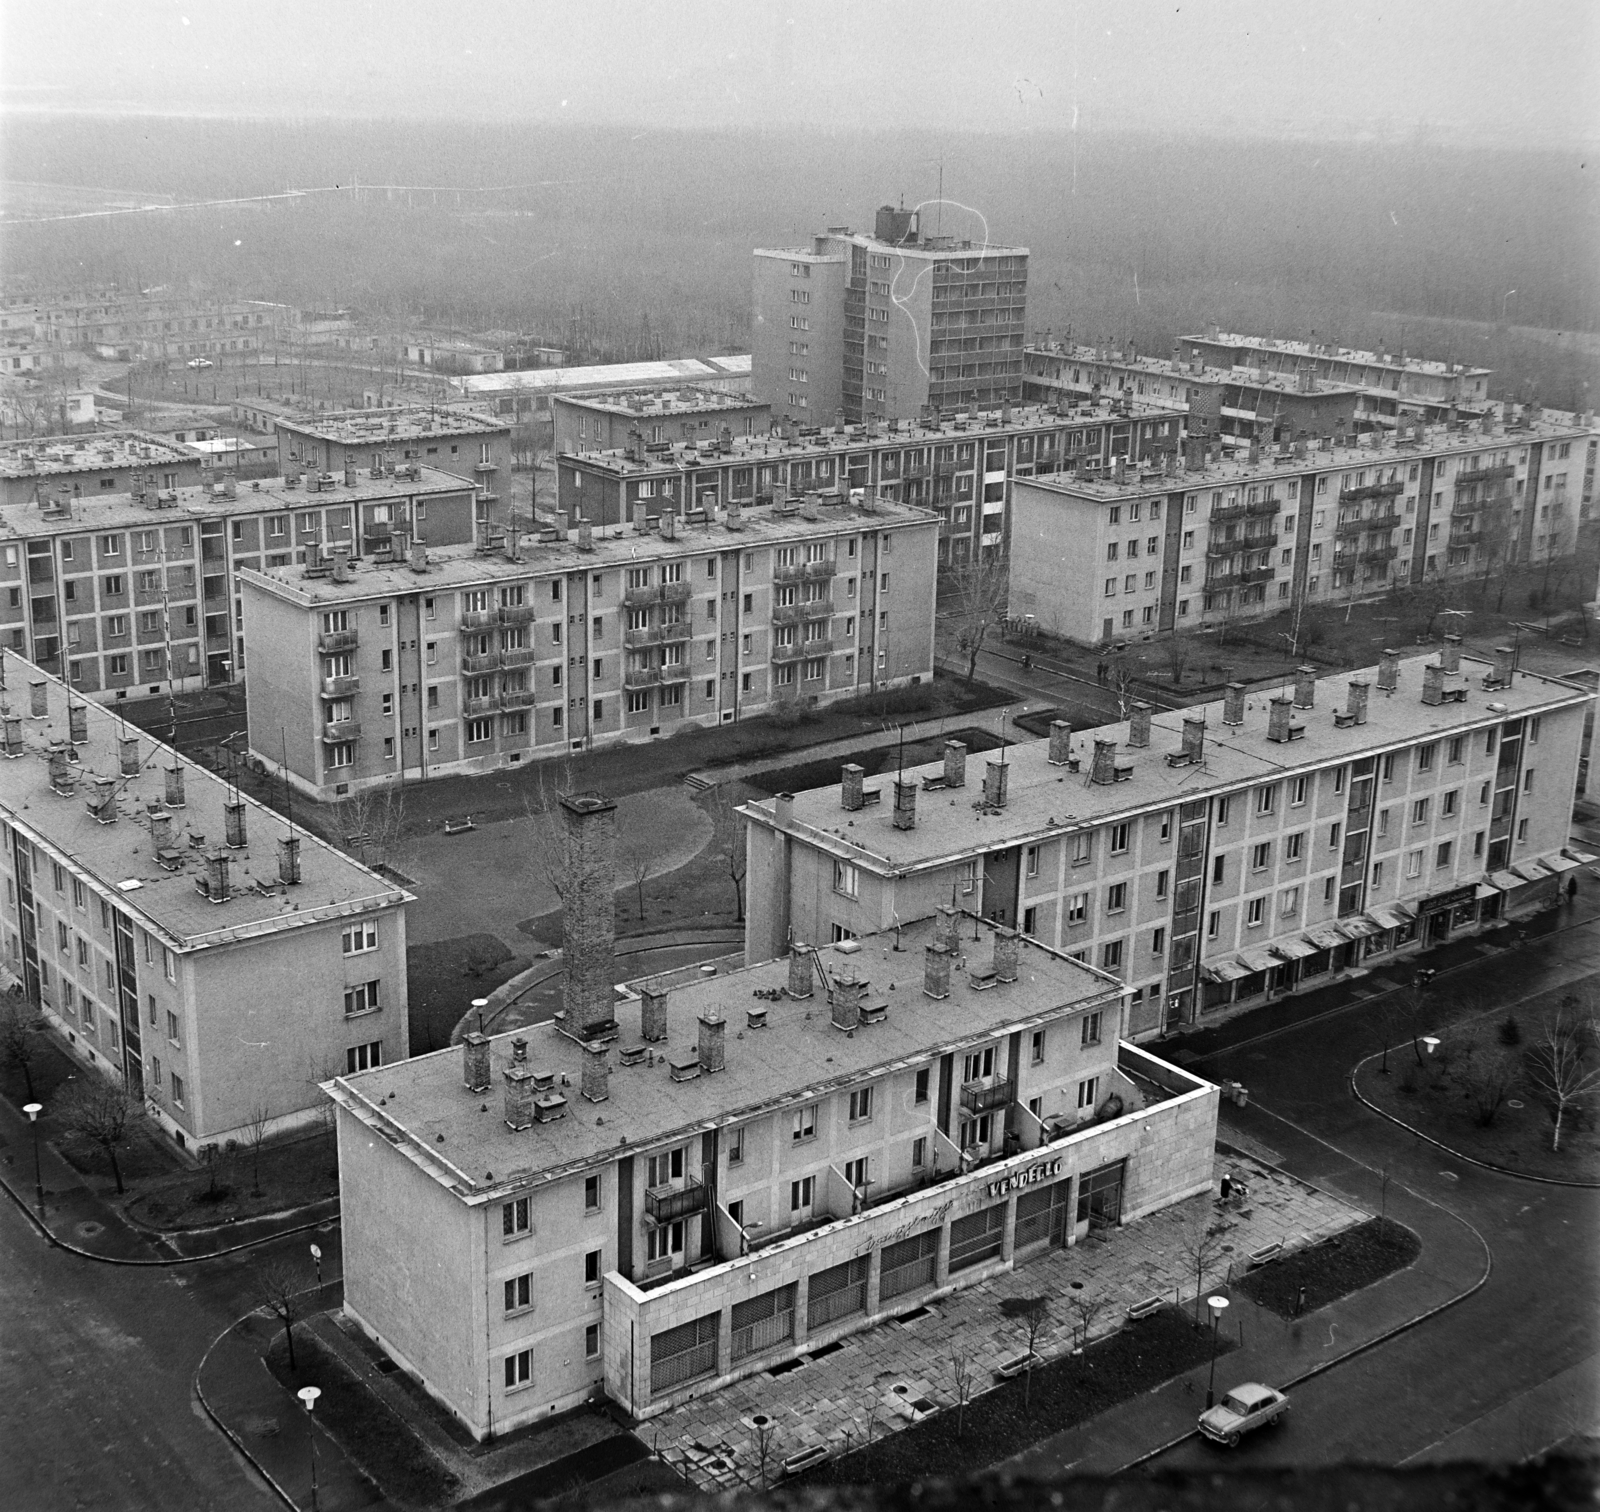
x: 658, y: 1194
x: 144, y: 328
x: 624, y: 419
x: 107, y: 462
x: 1145, y: 551
x: 135, y: 593
x: 1219, y: 853
x: 467, y: 661
x: 961, y: 467
x: 181, y: 938
x: 887, y: 326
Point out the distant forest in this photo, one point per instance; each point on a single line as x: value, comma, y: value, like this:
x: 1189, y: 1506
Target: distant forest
x: 618, y: 243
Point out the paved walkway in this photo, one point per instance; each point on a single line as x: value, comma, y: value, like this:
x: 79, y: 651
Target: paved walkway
x: 851, y: 1394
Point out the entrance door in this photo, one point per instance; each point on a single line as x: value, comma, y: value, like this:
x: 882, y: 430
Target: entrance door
x: 1438, y: 925
x: 1042, y: 1214
x: 1100, y: 1197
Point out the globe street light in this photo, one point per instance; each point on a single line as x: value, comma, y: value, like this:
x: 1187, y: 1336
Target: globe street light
x: 1218, y: 1306
x: 33, y: 1110
x: 308, y: 1399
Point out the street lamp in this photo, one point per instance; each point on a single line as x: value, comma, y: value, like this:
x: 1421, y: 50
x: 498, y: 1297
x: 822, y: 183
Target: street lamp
x: 33, y: 1110
x: 1503, y: 298
x: 308, y: 1399
x: 1218, y: 1306
x: 316, y: 1256
x: 1430, y: 1042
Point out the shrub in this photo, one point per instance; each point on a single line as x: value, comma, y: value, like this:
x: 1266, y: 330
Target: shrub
x: 1510, y: 1031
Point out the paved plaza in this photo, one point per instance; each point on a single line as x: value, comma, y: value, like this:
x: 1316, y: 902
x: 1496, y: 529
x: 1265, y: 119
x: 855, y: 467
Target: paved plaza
x: 883, y: 1379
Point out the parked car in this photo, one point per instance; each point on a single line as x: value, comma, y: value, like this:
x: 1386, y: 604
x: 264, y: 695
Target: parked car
x: 199, y: 362
x: 1240, y: 1410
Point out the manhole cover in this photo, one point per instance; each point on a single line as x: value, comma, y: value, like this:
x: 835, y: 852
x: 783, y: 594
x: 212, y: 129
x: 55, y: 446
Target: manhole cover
x: 261, y: 1427
x: 1076, y: 1285
x: 1515, y: 1102
x: 88, y: 1229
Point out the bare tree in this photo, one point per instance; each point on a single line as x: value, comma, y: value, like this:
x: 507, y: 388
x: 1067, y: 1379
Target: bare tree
x: 975, y: 593
x: 1087, y: 1307
x: 1033, y: 1313
x: 21, y: 1025
x: 1177, y: 650
x: 1412, y: 1004
x: 1557, y: 1063
x: 99, y: 1111
x: 728, y: 831
x: 1201, y: 1246
x: 1489, y: 1076
x: 962, y: 1381
x: 256, y: 1123
x: 640, y: 864
x: 765, y: 1429
x: 280, y: 1291
x: 368, y: 824
x: 1121, y: 671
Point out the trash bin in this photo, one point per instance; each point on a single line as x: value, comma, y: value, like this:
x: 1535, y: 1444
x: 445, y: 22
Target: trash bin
x: 1241, y: 1094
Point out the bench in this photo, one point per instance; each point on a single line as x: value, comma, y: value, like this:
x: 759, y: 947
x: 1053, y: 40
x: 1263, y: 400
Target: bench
x: 805, y: 1459
x: 459, y: 826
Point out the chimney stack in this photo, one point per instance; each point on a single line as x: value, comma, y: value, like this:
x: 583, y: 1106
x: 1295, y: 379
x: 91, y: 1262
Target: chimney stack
x: 217, y: 877
x: 595, y: 1083
x: 61, y: 774
x: 1388, y: 671
x: 475, y: 1061
x: 947, y: 928
x: 12, y: 725
x: 905, y: 805
x: 233, y: 824
x: 38, y: 700
x: 995, y: 777
x: 711, y: 1046
x: 850, y: 779
x: 1280, y: 720
x: 78, y: 723
x: 519, y: 1096
x: 589, y: 914
x: 1139, y: 725
x: 160, y: 832
x: 1503, y: 659
x: 848, y: 991
x: 1356, y: 708
x: 289, y: 860
x: 800, y: 976
x: 1006, y: 948
x: 1432, y: 684
x: 1450, y: 657
x: 1233, y: 704
x: 174, y: 795
x: 128, y: 755
x: 653, y: 1013
x: 935, y: 972
x: 955, y: 763
x: 1305, y: 687
x: 1104, y: 771
x: 104, y: 803
x: 1060, y: 742
x: 1194, y: 737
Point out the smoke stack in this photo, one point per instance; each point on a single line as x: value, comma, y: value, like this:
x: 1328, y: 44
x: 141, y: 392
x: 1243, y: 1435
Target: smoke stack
x: 1194, y: 737
x: 475, y: 1061
x: 1060, y: 742
x: 848, y: 991
x: 1356, y: 708
x: 78, y: 724
x: 850, y: 779
x: 652, y: 1013
x: 935, y: 972
x: 1305, y: 687
x: 289, y: 860
x: 519, y: 1097
x: 1450, y: 657
x: 995, y: 777
x: 1006, y: 948
x: 1139, y: 725
x: 1233, y: 704
x: 640, y: 522
x: 905, y: 805
x: 595, y: 1082
x: 38, y: 700
x: 711, y: 1045
x: 174, y: 786
x: 1104, y: 771
x: 233, y: 824
x: 955, y: 763
x: 589, y: 914
x: 1389, y: 671
x: 799, y: 971
x: 128, y: 756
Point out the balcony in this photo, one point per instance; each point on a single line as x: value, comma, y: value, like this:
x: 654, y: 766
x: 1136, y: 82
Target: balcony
x: 1466, y: 538
x: 517, y: 614
x: 675, y: 631
x: 817, y: 609
x: 1371, y: 491
x: 1380, y: 554
x: 646, y: 635
x: 375, y: 542
x: 819, y: 569
x: 641, y: 677
x: 517, y: 698
x: 476, y: 666
x: 675, y: 593
x: 483, y: 467
x: 1256, y: 575
x: 479, y: 619
x: 982, y: 1097
x: 1357, y: 525
x: 674, y: 672
x: 345, y: 729
x: 472, y: 707
x: 793, y: 572
x: 639, y: 598
x: 518, y: 656
x: 1243, y: 543
x: 1244, y: 511
x: 789, y: 653
x: 785, y: 614
x: 1485, y: 475
x: 669, y: 1204
x: 337, y: 640
x: 340, y: 687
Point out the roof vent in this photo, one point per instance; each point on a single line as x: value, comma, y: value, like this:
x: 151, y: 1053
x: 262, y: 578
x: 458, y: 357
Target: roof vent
x: 174, y: 786
x: 905, y: 805
x: 711, y: 1042
x: 595, y: 1083
x: 1139, y: 725
x: 800, y: 975
x: 653, y: 1013
x: 755, y: 1018
x: 103, y: 802
x: 1500, y: 676
x: 214, y: 884
x: 684, y: 1066
x: 38, y: 700
x: 128, y: 756
x: 11, y: 741
x: 845, y: 999
x: 519, y: 1096
x: 233, y: 824
x: 935, y: 972
x: 955, y: 763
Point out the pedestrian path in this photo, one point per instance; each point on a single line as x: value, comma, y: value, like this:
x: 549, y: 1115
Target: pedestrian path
x: 867, y: 1387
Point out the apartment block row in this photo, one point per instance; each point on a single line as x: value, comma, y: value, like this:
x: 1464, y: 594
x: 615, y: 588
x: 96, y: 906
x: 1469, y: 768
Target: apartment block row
x: 692, y: 1181
x: 456, y: 441
x: 1139, y: 552
x: 181, y: 939
x: 466, y: 660
x: 1214, y: 854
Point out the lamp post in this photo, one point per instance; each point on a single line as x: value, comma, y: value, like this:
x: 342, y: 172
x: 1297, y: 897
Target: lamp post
x: 316, y: 1257
x: 33, y: 1110
x: 308, y: 1399
x: 1218, y: 1306
x: 1503, y: 298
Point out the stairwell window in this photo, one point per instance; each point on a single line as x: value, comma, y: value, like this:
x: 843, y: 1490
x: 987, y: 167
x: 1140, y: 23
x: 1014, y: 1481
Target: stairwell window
x: 361, y: 998
x: 846, y: 879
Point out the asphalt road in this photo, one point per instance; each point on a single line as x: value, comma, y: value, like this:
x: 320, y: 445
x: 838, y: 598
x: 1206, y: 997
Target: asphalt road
x: 1506, y: 1373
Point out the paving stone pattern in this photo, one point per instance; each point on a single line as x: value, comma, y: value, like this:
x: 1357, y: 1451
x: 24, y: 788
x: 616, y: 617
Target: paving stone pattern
x: 867, y: 1387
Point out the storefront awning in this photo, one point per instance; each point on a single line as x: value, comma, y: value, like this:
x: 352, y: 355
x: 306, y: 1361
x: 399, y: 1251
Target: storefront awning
x: 1294, y: 948
x: 1530, y: 871
x: 1486, y: 891
x: 1505, y: 881
x: 1359, y: 927
x: 1390, y: 915
x: 1558, y: 864
x: 1228, y: 969
x: 1326, y: 936
x: 1583, y: 858
x: 1259, y: 959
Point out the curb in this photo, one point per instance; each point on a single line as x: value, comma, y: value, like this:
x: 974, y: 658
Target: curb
x: 1439, y: 1144
x: 221, y: 1228
x: 228, y: 1433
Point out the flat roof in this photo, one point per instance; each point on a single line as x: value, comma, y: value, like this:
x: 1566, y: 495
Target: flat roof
x: 1166, y: 367
x: 669, y: 457
x: 1045, y: 801
x: 608, y: 375
x: 93, y: 451
x: 460, y: 1137
x: 120, y: 856
x: 619, y: 545
x: 109, y: 511
x: 360, y: 427
x: 645, y: 402
x: 1328, y: 351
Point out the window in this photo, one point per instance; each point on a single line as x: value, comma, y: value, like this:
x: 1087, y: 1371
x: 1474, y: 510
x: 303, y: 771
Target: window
x: 861, y: 1105
x: 1213, y: 924
x: 803, y: 1125
x: 1334, y: 831
x: 1036, y: 1048
x: 1386, y: 770
x: 1223, y: 805
x: 172, y: 1027
x: 1293, y: 845
x: 1413, y: 864
x: 1450, y: 803
x: 1117, y: 897
x: 660, y: 1169
x: 1260, y: 856
x: 519, y: 1369
x: 591, y: 1194
x: 1078, y: 908
x: 1289, y: 902
x: 802, y: 1193
x: 1297, y: 792
x: 1111, y: 955
x: 359, y: 938
x: 1253, y: 912
x: 846, y: 879
x: 361, y: 998
x: 919, y: 1152
x: 1082, y: 848
x: 1266, y: 799
x: 177, y: 1090
x: 1453, y: 751
x: 1527, y: 781
x: 519, y: 1293
x: 920, y: 1087
x: 1031, y: 860
x: 1219, y: 870
x: 1444, y: 854
x: 514, y: 1217
x: 1425, y: 755
x: 1158, y: 941
x: 1089, y: 1033
x: 591, y: 1341
x: 1087, y: 1089
x: 1119, y: 839
x: 1419, y: 811
x: 977, y: 1065
x: 591, y: 1268
x: 363, y: 1057
x: 736, y: 1147
x: 1161, y: 883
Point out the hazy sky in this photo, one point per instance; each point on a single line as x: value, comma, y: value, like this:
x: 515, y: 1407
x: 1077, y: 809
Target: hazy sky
x: 1509, y: 71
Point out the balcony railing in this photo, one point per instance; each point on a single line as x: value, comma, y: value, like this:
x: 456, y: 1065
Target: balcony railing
x: 345, y: 729
x: 483, y: 467
x: 472, y: 707
x: 517, y: 614
x: 1243, y: 543
x: 981, y: 1097
x: 517, y: 698
x: 641, y: 677
x: 822, y: 568
x: 1371, y: 491
x: 479, y: 619
x: 1242, y: 511
x: 340, y: 687
x: 788, y: 653
x: 475, y: 666
x: 1485, y: 475
x: 1466, y: 537
x: 673, y: 631
x: 792, y: 572
x: 669, y: 1204
x: 638, y: 598
x: 1380, y: 554
x: 518, y: 656
x: 675, y: 593
x: 817, y: 609
x: 647, y: 635
x: 785, y: 614
x: 674, y: 672
x: 337, y: 640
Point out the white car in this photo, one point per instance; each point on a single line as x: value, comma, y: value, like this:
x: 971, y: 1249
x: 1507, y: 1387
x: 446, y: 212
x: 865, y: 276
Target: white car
x: 1240, y: 1410
x: 200, y: 362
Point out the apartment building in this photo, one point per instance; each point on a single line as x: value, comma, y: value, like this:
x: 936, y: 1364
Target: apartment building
x: 1238, y: 405
x: 126, y: 594
x: 139, y: 327
x: 858, y: 327
x: 961, y: 467
x: 527, y: 394
x: 179, y: 937
x: 1396, y: 387
x: 698, y: 1179
x: 1144, y: 551
x: 693, y: 415
x: 468, y: 660
x: 106, y: 462
x: 1216, y: 854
